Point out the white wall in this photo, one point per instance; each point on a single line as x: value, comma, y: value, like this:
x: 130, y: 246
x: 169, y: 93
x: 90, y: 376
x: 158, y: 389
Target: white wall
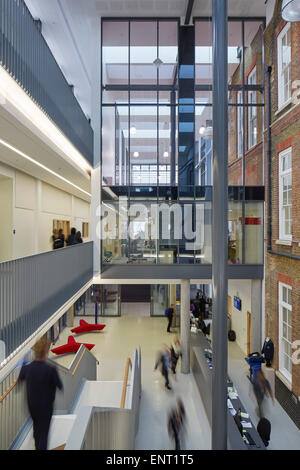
x: 34, y: 205
x: 241, y: 289
x: 250, y: 293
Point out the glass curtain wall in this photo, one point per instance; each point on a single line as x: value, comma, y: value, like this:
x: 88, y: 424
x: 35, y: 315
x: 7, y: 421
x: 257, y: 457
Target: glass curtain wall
x: 157, y: 144
x: 139, y: 78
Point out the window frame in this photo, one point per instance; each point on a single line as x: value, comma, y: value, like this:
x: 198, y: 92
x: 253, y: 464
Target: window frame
x: 240, y: 124
x: 282, y: 174
x: 281, y: 353
x: 252, y: 111
x: 280, y: 70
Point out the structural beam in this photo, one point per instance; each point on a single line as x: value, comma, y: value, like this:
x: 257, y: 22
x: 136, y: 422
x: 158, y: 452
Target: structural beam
x: 189, y: 10
x: 220, y: 224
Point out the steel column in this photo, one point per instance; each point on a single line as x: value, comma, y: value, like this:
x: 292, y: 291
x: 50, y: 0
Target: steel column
x: 185, y: 331
x: 220, y: 224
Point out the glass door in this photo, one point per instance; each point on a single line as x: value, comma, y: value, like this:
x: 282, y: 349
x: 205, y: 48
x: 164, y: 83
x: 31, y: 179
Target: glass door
x: 159, y: 299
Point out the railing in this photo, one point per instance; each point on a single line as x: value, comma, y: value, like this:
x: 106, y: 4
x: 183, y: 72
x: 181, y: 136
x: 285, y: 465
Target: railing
x: 110, y: 428
x: 124, y: 390
x: 32, y: 289
x: 14, y: 413
x: 26, y: 56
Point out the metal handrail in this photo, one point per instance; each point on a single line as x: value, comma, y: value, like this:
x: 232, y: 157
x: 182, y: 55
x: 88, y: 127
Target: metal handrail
x: 8, y: 391
x: 123, y: 398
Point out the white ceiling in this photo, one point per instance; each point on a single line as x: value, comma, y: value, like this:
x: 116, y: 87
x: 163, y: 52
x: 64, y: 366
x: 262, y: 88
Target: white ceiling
x: 18, y: 134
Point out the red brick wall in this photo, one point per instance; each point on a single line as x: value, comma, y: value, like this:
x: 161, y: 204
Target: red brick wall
x: 285, y: 133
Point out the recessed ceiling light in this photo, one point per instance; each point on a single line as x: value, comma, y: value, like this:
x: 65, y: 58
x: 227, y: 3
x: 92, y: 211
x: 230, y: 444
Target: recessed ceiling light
x: 202, y: 130
x: 166, y: 154
x: 132, y: 130
x: 40, y: 165
x: 136, y: 154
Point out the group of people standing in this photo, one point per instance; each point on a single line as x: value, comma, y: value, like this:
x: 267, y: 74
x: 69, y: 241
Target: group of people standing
x: 59, y: 241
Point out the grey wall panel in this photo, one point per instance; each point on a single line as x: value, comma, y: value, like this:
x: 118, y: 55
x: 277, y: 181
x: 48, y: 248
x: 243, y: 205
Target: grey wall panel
x: 178, y: 272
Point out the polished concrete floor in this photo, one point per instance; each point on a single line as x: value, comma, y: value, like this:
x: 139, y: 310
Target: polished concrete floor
x: 117, y: 342
x: 112, y: 347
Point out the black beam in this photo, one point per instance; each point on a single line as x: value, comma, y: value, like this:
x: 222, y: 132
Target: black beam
x: 189, y: 9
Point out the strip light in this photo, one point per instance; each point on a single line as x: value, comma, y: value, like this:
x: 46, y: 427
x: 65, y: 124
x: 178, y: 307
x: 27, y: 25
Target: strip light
x: 40, y: 165
x: 13, y: 93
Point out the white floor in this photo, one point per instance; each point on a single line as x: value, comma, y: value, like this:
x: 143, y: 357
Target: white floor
x: 112, y: 347
x: 118, y: 340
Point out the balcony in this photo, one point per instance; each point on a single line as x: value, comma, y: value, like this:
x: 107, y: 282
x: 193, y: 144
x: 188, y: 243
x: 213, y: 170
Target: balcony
x: 32, y: 289
x: 25, y: 55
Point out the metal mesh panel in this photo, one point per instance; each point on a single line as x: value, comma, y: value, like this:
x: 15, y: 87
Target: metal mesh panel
x: 32, y: 289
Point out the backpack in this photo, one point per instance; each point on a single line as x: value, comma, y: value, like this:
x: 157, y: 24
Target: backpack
x: 231, y: 335
x: 167, y: 312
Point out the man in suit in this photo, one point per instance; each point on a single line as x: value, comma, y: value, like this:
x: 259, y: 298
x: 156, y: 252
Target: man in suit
x: 170, y: 313
x: 42, y: 380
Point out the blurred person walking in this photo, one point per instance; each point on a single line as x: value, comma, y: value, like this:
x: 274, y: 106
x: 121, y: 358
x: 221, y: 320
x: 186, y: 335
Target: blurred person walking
x: 261, y: 388
x: 42, y: 380
x: 176, y: 423
x: 163, y: 361
x: 175, y: 354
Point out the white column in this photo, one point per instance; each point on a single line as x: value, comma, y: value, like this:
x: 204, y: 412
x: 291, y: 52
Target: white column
x: 185, y: 331
x: 96, y: 124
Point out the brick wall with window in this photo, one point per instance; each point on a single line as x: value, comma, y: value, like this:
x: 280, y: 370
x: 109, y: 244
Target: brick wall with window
x: 251, y: 137
x: 282, y: 274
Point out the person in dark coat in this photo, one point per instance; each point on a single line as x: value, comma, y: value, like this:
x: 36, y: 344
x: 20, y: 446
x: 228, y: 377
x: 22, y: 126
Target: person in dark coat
x: 170, y: 314
x: 42, y: 380
x: 78, y: 238
x: 202, y: 306
x: 268, y: 351
x: 176, y: 422
x: 72, y: 238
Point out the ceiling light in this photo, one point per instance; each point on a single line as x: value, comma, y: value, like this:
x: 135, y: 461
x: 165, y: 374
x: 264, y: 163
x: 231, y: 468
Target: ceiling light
x: 132, y: 130
x: 12, y: 94
x: 136, y: 154
x: 166, y: 154
x: 202, y: 130
x: 290, y: 10
x: 22, y: 154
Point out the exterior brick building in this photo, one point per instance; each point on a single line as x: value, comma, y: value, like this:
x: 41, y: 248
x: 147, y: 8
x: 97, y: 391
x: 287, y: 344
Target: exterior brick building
x: 282, y: 241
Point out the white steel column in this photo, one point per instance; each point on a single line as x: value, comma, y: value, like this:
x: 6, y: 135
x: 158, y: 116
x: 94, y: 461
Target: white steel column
x: 96, y: 124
